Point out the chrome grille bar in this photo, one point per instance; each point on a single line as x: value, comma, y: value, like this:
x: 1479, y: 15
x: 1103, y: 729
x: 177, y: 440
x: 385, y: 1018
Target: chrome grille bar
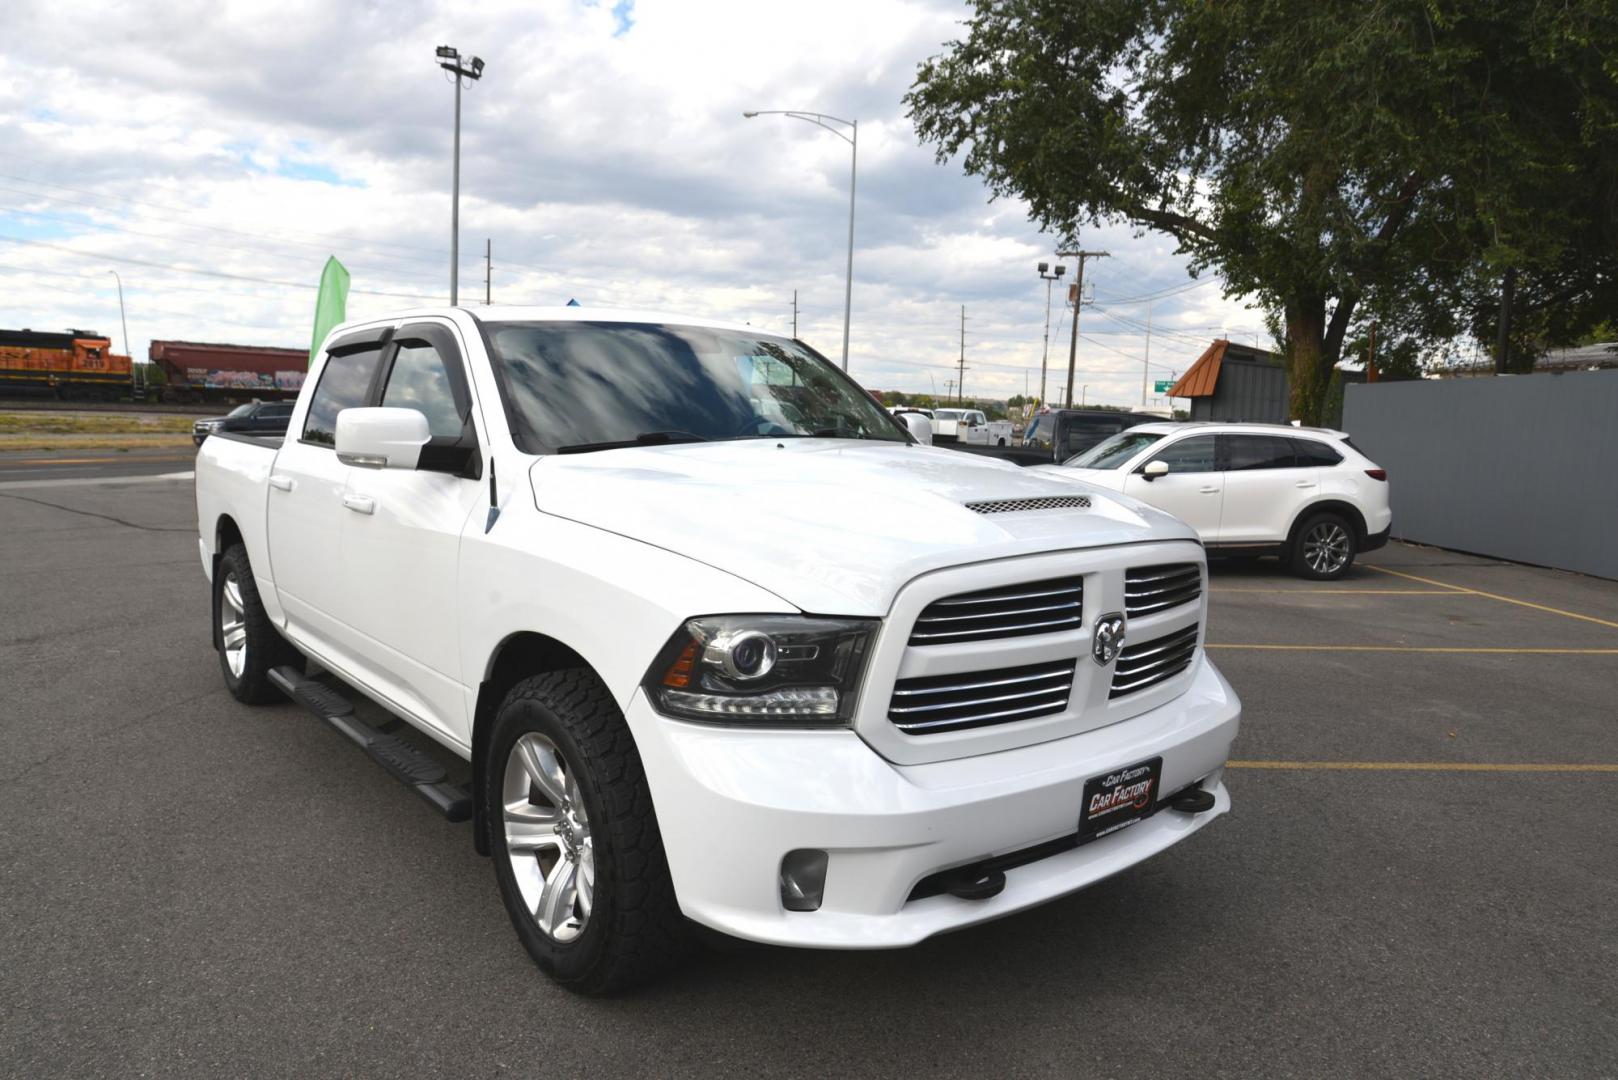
x: 1149, y: 589
x: 1149, y: 663
x: 1037, y: 607
x: 951, y: 702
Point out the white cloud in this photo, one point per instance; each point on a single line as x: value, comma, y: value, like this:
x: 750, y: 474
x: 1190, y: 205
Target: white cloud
x: 252, y: 139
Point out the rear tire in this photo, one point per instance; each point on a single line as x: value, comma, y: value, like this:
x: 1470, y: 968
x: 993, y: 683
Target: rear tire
x: 1324, y: 547
x: 577, y: 853
x: 249, y: 645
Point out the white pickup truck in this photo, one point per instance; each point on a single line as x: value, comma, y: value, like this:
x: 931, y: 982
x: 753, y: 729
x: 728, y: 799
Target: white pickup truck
x: 708, y: 637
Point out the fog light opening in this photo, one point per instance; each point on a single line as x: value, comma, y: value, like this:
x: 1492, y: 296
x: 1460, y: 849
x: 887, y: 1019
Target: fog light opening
x: 803, y: 879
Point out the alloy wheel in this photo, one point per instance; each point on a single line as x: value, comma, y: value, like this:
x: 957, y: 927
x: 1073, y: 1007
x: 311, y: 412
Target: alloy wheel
x: 548, y: 839
x: 1326, y: 547
x: 233, y: 625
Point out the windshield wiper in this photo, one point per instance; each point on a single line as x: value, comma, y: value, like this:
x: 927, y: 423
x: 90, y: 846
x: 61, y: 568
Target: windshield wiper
x: 645, y: 438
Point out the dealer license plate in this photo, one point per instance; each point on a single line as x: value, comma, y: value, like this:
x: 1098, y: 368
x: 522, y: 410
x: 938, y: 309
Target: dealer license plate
x: 1118, y: 798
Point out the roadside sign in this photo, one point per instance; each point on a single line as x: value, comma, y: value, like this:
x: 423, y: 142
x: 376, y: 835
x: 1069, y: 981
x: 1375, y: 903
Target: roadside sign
x: 1163, y: 385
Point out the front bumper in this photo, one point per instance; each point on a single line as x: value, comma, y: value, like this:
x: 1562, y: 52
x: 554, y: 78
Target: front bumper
x: 731, y: 803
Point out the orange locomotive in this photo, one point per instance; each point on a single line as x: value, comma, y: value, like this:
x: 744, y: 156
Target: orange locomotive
x: 72, y: 365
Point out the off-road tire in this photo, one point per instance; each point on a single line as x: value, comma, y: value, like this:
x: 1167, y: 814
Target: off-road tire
x: 266, y: 648
x: 635, y: 930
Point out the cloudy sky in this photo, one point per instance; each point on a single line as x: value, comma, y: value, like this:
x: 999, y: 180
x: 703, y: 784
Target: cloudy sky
x: 214, y: 153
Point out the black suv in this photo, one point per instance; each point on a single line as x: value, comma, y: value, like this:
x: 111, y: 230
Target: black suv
x: 254, y: 418
x: 1058, y: 434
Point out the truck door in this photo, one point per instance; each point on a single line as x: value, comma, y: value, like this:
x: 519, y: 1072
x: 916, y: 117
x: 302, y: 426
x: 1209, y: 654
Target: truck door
x: 305, y: 498
x: 401, y: 534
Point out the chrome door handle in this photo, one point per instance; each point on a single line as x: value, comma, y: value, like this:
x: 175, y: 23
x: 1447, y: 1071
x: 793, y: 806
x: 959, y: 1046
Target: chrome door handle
x: 281, y: 483
x: 1209, y: 490
x: 1306, y: 483
x: 360, y: 504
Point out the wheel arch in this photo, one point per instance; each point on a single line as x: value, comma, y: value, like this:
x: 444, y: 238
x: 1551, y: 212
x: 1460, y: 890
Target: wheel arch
x: 517, y: 657
x: 1336, y: 506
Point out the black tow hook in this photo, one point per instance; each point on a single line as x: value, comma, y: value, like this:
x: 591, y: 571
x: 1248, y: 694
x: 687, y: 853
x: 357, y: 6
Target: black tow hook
x: 1192, y: 801
x: 976, y: 883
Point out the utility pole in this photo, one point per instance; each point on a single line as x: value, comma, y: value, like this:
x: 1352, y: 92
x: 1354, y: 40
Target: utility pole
x: 1370, y: 355
x: 960, y: 384
x: 949, y: 388
x: 488, y: 269
x: 1078, y: 299
x: 1146, y: 361
x: 794, y: 314
x: 1502, y: 346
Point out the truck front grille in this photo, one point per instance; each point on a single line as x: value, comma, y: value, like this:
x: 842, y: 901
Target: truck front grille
x: 1039, y: 607
x: 1147, y: 663
x: 1157, y: 588
x: 975, y: 699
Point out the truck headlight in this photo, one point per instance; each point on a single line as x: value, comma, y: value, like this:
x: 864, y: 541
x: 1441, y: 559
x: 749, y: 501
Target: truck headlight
x: 785, y: 670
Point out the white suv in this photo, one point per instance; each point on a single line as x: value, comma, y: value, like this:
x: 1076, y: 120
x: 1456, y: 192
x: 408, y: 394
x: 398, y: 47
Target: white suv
x: 1304, y: 494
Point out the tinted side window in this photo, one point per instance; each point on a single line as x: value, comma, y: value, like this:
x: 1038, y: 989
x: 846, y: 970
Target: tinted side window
x: 277, y: 412
x: 1259, y: 452
x: 1312, y: 453
x: 343, y: 385
x: 1195, y: 454
x: 420, y: 381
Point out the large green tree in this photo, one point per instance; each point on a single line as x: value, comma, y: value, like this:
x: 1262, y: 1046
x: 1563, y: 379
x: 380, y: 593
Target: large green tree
x: 1336, y: 161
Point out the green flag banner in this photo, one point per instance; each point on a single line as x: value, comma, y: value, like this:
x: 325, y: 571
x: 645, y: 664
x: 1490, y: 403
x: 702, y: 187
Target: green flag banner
x: 331, y: 306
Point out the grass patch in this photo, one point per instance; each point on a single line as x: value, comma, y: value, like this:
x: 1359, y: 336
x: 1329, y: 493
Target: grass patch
x: 67, y: 423
x: 56, y: 443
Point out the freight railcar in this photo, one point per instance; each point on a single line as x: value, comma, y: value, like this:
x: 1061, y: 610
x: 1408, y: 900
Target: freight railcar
x: 73, y: 365
x: 200, y: 371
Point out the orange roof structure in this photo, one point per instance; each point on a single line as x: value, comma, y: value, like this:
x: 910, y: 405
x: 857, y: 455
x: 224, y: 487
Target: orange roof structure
x: 1203, y: 376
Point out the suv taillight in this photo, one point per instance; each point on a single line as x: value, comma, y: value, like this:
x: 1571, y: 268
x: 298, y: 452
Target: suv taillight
x: 1377, y: 474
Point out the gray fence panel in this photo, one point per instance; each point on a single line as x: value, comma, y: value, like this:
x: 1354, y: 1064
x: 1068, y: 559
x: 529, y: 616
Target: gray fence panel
x: 1522, y: 467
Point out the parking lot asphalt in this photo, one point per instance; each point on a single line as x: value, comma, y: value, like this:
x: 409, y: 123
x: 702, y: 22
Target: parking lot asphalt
x: 189, y: 886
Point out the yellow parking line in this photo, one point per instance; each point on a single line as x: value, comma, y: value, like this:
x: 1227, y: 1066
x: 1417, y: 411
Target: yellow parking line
x: 1497, y: 596
x: 1419, y: 766
x: 1339, y: 592
x: 1415, y: 649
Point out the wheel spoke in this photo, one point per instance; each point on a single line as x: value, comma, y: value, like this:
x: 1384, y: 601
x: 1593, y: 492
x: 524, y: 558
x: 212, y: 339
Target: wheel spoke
x: 233, y: 594
x: 556, y: 901
x: 587, y: 878
x: 235, y: 635
x: 544, y: 769
x: 530, y: 828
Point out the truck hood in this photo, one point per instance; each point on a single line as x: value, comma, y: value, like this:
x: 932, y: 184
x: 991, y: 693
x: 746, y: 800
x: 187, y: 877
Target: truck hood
x: 834, y: 527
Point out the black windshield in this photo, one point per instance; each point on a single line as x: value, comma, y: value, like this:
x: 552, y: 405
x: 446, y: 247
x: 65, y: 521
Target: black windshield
x: 583, y: 384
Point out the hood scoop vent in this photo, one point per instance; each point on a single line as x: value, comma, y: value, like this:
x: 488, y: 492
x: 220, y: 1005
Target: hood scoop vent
x: 1019, y: 506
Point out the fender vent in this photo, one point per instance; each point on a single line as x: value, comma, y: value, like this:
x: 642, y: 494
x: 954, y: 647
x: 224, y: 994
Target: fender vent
x: 1019, y: 506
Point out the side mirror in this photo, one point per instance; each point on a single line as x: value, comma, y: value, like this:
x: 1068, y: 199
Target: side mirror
x: 1151, y: 472
x: 919, y: 426
x: 381, y: 438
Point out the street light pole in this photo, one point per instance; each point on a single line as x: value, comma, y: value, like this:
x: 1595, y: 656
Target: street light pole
x: 1044, y: 359
x: 124, y: 320
x: 853, y: 141
x: 449, y: 58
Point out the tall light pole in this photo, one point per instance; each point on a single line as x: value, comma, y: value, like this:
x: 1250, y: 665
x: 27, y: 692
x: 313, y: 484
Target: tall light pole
x: 124, y: 320
x: 449, y: 58
x: 1045, y: 357
x: 852, y: 138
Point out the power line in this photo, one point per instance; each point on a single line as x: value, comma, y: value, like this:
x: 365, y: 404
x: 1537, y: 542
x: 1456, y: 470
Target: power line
x: 217, y: 228
x: 191, y: 242
x: 204, y: 273
x: 1160, y: 294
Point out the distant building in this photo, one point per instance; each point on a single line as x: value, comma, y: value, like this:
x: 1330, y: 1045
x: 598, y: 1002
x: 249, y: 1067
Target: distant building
x: 1235, y: 382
